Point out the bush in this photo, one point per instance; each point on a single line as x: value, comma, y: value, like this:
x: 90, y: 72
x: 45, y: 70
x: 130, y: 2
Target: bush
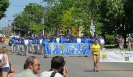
x: 110, y: 39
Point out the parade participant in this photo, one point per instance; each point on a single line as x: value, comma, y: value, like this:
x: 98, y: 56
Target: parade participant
x: 22, y: 46
x: 62, y: 39
x: 13, y: 44
x: 78, y: 39
x: 95, y: 49
x: 18, y: 46
x: 58, y: 39
x: 57, y: 68
x: 68, y: 39
x: 31, y: 67
x: 5, y: 62
x: 40, y: 46
x: 35, y: 42
x: 102, y: 42
x: 26, y: 43
x: 30, y: 45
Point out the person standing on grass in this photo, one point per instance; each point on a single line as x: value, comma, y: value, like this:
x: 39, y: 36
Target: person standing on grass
x: 121, y: 43
x: 130, y: 42
x: 95, y: 49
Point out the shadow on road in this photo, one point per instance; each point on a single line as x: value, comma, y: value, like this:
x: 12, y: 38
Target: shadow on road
x: 106, y: 70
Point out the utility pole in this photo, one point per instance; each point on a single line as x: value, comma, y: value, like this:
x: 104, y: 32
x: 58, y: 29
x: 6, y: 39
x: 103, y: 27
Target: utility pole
x: 8, y: 28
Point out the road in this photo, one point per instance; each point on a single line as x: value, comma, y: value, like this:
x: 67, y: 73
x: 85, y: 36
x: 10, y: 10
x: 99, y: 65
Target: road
x: 78, y: 66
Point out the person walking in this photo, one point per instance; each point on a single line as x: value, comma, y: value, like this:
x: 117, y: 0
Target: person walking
x: 26, y: 43
x: 57, y: 68
x: 95, y: 49
x: 31, y: 67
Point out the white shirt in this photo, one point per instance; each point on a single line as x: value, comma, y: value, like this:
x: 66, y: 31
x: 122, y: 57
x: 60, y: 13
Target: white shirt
x: 26, y: 42
x: 48, y: 74
x: 7, y: 63
x: 57, y: 40
x: 102, y: 41
x: 78, y: 40
x: 40, y: 41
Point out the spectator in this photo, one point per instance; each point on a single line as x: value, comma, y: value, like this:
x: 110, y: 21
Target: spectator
x: 57, y: 68
x: 95, y: 48
x: 121, y: 43
x: 31, y: 67
x: 11, y: 71
x: 130, y: 42
x: 1, y: 56
x: 5, y: 62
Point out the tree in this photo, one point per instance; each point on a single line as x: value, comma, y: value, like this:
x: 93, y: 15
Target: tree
x: 4, y: 4
x: 32, y: 14
x: 67, y: 20
x: 117, y: 16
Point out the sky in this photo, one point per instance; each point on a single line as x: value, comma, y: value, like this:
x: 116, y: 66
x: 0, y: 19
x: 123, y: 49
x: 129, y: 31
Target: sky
x: 16, y: 6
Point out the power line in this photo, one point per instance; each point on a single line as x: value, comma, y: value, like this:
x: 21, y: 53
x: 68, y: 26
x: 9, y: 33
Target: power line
x: 16, y: 5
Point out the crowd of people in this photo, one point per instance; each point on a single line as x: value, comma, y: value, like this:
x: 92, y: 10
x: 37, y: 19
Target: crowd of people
x: 23, y: 46
x: 31, y: 66
x: 36, y: 45
x: 121, y: 42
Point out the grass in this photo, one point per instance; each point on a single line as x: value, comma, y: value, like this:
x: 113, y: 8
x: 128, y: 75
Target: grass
x: 113, y: 46
x: 110, y: 46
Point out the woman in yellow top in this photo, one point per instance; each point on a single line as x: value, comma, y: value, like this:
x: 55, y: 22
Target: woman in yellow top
x: 95, y: 48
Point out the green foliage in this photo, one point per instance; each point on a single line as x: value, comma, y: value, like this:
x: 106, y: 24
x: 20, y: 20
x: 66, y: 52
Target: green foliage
x: 30, y: 17
x: 67, y: 19
x: 4, y: 4
x: 110, y: 38
x: 106, y: 14
x: 36, y: 28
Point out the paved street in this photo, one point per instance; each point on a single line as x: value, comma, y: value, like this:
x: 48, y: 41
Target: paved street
x: 78, y: 66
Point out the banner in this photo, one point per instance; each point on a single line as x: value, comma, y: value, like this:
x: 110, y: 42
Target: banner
x: 123, y: 56
x: 67, y: 48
